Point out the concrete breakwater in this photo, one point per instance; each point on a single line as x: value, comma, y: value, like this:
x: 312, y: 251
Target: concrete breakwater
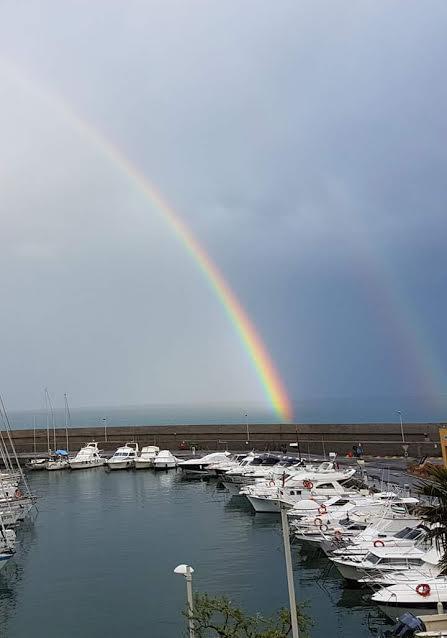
x: 377, y: 439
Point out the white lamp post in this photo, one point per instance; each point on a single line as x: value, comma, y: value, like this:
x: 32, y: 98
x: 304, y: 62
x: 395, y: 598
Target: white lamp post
x: 401, y: 426
x: 289, y: 570
x: 187, y: 571
x: 247, y: 430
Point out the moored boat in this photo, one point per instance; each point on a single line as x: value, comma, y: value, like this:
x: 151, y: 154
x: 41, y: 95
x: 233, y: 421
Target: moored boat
x: 87, y: 457
x: 146, y: 458
x: 165, y: 460
x: 124, y: 457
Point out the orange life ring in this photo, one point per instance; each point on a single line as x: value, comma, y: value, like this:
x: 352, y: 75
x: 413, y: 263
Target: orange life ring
x: 308, y: 485
x: 18, y: 493
x: 379, y: 543
x: 322, y: 509
x: 323, y: 528
x: 318, y: 522
x: 338, y: 535
x: 423, y: 589
x: 271, y: 483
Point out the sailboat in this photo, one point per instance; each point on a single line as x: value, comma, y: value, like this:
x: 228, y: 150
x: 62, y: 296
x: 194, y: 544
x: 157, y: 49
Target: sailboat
x: 59, y: 461
x: 40, y: 463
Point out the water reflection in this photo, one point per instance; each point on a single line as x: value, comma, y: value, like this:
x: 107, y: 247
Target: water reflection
x: 115, y: 539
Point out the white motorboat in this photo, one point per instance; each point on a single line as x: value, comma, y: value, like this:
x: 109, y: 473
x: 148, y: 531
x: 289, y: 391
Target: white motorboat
x: 386, y: 561
x: 230, y: 463
x: 418, y: 596
x: 146, y: 458
x: 199, y: 466
x: 261, y: 467
x: 379, y: 536
x: 124, y: 457
x: 350, y: 521
x: 87, y: 457
x: 165, y: 460
x: 268, y: 499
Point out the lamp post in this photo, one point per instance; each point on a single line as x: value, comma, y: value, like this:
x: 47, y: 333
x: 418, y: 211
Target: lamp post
x: 290, y: 583
x: 401, y: 426
x: 247, y: 430
x: 404, y: 445
x: 187, y: 571
x: 105, y: 428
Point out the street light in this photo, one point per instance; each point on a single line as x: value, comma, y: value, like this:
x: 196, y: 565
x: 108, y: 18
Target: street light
x: 401, y: 426
x: 288, y: 557
x: 105, y: 428
x: 187, y: 571
x: 248, y: 431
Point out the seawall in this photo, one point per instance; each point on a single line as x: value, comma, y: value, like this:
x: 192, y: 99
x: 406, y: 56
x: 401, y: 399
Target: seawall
x: 378, y: 439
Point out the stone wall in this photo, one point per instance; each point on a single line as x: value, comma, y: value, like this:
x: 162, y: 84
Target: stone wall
x: 378, y: 439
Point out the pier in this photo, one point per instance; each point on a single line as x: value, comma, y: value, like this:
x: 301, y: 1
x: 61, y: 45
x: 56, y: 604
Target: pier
x: 377, y: 439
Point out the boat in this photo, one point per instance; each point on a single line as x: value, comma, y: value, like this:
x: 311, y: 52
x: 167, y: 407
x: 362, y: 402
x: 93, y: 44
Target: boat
x: 59, y: 461
x: 199, y: 466
x: 87, y: 457
x: 165, y: 460
x: 124, y: 457
x: 36, y: 465
x: 146, y: 457
x: 230, y: 463
x: 389, y: 561
x: 269, y: 498
x: 419, y: 596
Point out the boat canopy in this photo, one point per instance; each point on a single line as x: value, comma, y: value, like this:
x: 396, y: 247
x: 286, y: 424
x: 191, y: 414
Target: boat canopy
x: 61, y: 453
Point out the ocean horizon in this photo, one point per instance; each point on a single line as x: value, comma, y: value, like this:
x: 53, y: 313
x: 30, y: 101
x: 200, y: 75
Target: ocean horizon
x: 310, y: 411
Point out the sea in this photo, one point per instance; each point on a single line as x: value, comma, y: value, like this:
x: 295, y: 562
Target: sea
x: 311, y: 411
x: 98, y: 560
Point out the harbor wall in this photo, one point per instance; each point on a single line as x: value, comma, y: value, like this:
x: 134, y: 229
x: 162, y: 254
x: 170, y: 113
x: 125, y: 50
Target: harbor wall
x: 377, y: 439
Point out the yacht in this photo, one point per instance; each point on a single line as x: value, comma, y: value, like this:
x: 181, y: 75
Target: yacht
x: 165, y: 460
x: 87, y: 457
x: 146, y: 458
x: 269, y: 498
x: 350, y: 521
x: 230, y: 463
x: 418, y: 596
x: 124, y: 457
x: 388, y: 561
x: 262, y: 466
x: 199, y: 466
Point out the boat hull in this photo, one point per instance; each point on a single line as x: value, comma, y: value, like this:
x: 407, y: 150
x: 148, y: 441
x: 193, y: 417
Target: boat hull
x: 57, y: 465
x: 165, y: 466
x: 264, y: 505
x: 143, y: 465
x: 120, y: 465
x: 86, y: 465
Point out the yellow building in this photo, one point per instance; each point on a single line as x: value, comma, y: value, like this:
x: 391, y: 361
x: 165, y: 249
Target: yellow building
x: 443, y: 441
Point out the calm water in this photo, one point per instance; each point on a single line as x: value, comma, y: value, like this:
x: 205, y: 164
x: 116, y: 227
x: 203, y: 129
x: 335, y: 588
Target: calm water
x: 99, y: 559
x: 341, y: 410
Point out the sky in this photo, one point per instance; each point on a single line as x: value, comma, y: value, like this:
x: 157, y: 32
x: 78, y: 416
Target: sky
x: 303, y: 143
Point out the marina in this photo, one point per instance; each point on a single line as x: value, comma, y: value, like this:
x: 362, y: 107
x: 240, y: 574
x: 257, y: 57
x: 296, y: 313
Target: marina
x: 359, y: 552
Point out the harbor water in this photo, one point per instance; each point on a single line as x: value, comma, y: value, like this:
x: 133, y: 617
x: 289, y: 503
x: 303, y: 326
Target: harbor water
x: 98, y: 560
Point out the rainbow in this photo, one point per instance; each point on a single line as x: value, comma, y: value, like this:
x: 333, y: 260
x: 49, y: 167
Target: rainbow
x: 269, y: 378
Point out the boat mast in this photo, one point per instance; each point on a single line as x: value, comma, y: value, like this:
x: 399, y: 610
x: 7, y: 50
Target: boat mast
x: 67, y: 420
x: 53, y: 422
x: 48, y: 420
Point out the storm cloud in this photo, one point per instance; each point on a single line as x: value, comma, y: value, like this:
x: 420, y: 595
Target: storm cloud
x: 302, y: 142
